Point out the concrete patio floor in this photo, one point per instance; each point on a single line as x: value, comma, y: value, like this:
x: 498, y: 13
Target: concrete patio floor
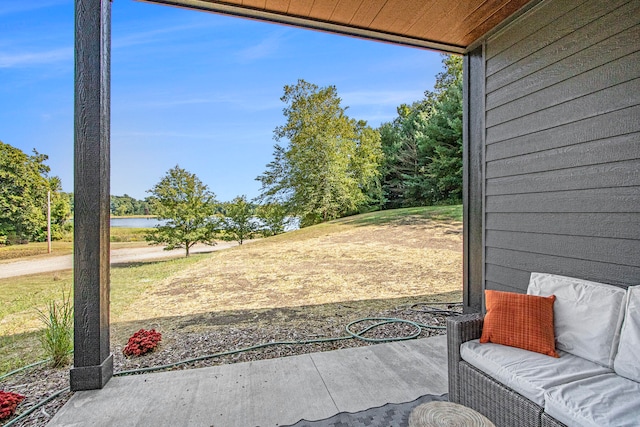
x: 267, y: 393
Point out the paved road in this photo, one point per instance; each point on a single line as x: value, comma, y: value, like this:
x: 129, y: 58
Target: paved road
x: 118, y: 256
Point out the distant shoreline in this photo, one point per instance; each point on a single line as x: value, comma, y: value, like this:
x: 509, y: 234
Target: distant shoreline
x: 133, y: 216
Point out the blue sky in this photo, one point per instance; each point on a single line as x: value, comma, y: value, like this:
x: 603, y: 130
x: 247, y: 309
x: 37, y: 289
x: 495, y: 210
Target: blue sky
x: 189, y: 88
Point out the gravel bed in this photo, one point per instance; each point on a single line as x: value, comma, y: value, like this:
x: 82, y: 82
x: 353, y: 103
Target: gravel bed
x: 201, y: 337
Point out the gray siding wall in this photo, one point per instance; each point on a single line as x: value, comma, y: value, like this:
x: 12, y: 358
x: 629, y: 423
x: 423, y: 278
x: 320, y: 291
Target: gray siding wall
x: 562, y: 145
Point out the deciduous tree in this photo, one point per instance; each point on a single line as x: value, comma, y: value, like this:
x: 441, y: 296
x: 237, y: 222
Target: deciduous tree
x: 188, y: 209
x: 329, y: 160
x: 24, y: 183
x: 239, y: 222
x: 60, y: 209
x: 273, y: 217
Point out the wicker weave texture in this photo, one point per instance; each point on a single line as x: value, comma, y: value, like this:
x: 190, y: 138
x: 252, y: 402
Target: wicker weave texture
x: 500, y: 404
x: 549, y: 421
x: 460, y: 329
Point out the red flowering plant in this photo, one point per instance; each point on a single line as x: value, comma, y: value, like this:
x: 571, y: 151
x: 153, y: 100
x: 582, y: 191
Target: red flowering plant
x: 142, y: 342
x: 8, y: 403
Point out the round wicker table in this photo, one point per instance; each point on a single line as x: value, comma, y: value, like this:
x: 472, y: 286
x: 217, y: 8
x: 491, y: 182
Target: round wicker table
x: 446, y: 414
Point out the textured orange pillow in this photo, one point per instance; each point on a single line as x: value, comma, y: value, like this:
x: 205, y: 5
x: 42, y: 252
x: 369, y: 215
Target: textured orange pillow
x: 520, y: 320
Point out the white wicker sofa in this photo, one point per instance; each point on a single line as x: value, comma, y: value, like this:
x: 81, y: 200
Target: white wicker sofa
x: 595, y: 381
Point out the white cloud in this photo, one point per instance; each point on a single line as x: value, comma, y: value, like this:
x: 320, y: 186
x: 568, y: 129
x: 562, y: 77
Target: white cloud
x: 265, y: 48
x: 152, y: 36
x: 14, y: 60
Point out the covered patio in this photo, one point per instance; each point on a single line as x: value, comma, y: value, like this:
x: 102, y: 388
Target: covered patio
x: 272, y: 392
x: 551, y: 154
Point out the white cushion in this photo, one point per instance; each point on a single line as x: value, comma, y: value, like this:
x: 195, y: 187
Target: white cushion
x: 587, y: 315
x: 627, y: 362
x: 601, y: 401
x: 527, y: 372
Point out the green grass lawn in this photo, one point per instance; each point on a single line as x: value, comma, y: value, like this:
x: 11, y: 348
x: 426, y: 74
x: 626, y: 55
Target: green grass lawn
x: 438, y: 213
x: 20, y: 297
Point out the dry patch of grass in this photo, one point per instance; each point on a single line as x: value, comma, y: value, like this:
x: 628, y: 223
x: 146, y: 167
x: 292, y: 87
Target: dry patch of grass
x: 340, y: 261
x: 342, y: 269
x: 120, y: 238
x: 36, y: 249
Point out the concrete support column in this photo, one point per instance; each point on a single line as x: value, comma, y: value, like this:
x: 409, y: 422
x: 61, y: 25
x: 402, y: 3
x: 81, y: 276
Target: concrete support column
x: 93, y: 361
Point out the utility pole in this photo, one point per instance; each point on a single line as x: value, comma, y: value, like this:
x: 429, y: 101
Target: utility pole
x: 49, y: 222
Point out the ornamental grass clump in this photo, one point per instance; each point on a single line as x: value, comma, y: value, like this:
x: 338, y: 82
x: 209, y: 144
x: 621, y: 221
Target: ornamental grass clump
x: 142, y: 342
x: 8, y: 403
x: 57, y: 338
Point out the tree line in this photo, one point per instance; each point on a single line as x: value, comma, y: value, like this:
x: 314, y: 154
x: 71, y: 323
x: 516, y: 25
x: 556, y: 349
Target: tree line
x: 129, y: 206
x: 25, y: 185
x: 327, y: 165
x: 191, y: 214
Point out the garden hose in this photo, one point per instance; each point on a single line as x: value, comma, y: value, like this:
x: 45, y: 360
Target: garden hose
x: 24, y: 368
x: 380, y: 321
x: 352, y: 335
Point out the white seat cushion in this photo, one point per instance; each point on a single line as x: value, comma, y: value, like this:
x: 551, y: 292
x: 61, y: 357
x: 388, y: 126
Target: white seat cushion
x: 601, y: 401
x: 526, y: 372
x: 587, y: 315
x: 627, y: 362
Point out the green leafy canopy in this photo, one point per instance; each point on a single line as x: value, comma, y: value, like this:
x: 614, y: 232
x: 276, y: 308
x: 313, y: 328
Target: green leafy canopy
x: 188, y: 209
x: 328, y: 161
x: 24, y: 183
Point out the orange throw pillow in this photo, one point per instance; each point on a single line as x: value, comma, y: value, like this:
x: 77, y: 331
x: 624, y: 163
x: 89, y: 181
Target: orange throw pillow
x: 520, y: 320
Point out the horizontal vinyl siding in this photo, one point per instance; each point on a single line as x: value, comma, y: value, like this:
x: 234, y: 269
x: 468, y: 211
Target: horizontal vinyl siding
x: 610, y: 224
x: 621, y: 199
x: 582, y: 61
x: 562, y: 145
x: 614, y: 274
x: 564, y: 37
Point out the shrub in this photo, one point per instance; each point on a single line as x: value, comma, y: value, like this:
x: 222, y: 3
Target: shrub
x: 8, y: 403
x: 142, y: 342
x: 57, y: 338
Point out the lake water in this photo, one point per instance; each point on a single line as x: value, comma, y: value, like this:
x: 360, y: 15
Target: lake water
x: 134, y: 222
x: 293, y: 224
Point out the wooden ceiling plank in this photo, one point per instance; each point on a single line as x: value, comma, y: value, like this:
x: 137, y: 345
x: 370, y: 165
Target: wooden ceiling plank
x: 278, y: 6
x: 408, y: 23
x: 500, y: 15
x: 409, y: 20
x: 367, y: 12
x: 322, y: 10
x: 450, y: 25
x: 452, y: 16
x: 424, y: 23
x: 300, y: 7
x: 255, y: 4
x: 388, y: 17
x: 345, y: 11
x: 482, y: 11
